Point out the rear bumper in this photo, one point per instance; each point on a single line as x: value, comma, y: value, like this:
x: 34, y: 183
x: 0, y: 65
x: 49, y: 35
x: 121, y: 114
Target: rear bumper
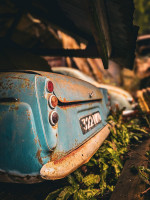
x: 61, y: 168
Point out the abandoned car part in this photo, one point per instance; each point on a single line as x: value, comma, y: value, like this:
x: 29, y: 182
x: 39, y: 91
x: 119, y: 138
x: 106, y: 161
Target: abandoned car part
x: 48, y: 118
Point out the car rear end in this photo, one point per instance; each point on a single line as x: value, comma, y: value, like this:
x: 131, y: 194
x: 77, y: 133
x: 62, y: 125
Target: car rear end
x: 50, y: 125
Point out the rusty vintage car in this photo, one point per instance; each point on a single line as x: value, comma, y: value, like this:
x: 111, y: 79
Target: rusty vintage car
x: 51, y: 124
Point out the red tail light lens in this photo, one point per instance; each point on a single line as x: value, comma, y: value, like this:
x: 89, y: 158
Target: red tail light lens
x: 50, y: 86
x: 53, y: 118
x: 53, y: 101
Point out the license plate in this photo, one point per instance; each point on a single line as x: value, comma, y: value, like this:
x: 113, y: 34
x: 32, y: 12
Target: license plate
x: 90, y: 121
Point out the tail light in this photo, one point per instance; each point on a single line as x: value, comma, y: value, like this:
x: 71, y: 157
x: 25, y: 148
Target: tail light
x: 53, y: 118
x: 50, y: 86
x: 53, y: 101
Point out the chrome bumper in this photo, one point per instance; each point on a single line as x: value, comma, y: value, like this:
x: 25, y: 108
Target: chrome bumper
x: 60, y: 168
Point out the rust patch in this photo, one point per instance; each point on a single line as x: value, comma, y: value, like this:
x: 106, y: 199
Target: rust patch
x: 13, y: 107
x: 39, y: 142
x: 36, y: 139
x: 25, y: 85
x: 56, y: 155
x: 63, y: 100
x: 13, y: 77
x: 9, y: 85
x: 38, y: 155
x: 28, y: 114
x: 63, y: 158
x: 67, y: 106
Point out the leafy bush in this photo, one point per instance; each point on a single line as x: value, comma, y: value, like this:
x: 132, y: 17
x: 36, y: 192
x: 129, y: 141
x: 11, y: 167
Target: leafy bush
x: 144, y: 173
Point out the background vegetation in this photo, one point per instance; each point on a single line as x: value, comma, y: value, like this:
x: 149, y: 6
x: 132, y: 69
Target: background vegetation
x: 142, y: 16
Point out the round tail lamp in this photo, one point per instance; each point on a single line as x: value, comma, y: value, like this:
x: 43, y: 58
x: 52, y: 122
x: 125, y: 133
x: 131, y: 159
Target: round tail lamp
x: 50, y: 86
x: 53, y: 118
x: 53, y: 101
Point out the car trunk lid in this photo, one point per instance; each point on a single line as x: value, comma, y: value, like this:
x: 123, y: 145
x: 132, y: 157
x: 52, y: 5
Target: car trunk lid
x: 69, y: 90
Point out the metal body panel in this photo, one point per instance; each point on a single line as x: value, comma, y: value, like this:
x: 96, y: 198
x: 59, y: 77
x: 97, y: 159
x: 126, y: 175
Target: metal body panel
x: 29, y: 88
x: 15, y: 144
x: 28, y: 140
x: 70, y: 135
x: 117, y: 98
x: 68, y: 89
x: 118, y: 95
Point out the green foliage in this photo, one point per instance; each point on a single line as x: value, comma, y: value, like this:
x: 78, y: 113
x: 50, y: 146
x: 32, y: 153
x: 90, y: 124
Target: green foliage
x: 144, y: 172
x: 77, y: 189
x: 91, y: 179
x: 142, y: 15
x: 101, y: 173
x: 53, y: 195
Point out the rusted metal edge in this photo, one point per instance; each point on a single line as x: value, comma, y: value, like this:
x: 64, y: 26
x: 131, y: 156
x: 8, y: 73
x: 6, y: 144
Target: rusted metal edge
x: 61, y: 168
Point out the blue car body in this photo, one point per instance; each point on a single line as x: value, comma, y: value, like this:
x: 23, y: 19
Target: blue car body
x: 28, y: 140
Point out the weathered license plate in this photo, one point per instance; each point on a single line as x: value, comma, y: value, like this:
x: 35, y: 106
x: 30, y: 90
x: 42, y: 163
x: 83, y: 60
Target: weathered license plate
x: 90, y: 121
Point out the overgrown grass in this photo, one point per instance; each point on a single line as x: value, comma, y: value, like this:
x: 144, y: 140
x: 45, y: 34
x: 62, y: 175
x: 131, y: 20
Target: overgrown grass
x: 99, y: 176
x: 144, y: 173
